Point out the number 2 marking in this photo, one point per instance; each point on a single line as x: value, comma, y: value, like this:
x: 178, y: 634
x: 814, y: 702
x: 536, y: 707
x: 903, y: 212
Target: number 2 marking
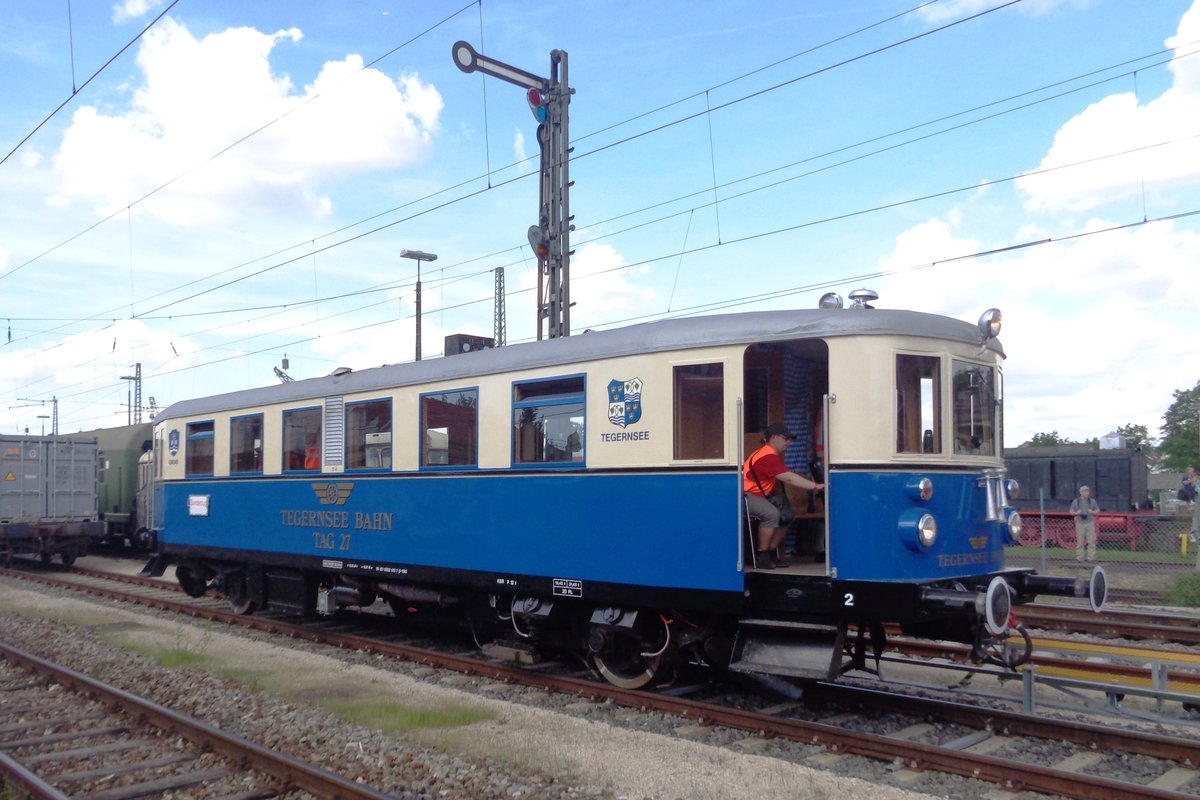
x: 848, y: 599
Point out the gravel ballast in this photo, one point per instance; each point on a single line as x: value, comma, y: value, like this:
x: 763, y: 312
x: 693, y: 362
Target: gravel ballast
x: 279, y: 692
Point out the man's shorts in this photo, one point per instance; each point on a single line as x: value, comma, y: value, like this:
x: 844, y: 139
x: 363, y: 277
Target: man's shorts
x: 766, y: 511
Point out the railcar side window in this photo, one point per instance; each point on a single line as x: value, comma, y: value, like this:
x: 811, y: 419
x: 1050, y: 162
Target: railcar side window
x: 302, y: 439
x: 918, y: 404
x: 450, y: 429
x: 245, y: 444
x: 548, y: 421
x: 976, y: 408
x: 200, y: 448
x: 700, y: 411
x: 369, y: 435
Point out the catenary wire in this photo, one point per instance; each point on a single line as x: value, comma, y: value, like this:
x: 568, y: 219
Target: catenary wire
x: 476, y: 178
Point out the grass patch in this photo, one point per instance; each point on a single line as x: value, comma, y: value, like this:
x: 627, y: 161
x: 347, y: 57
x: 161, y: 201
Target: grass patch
x: 182, y: 651
x: 1185, y: 591
x: 396, y: 718
x: 1108, y: 556
x: 173, y: 658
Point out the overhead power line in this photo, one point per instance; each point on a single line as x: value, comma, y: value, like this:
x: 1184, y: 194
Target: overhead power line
x: 76, y: 90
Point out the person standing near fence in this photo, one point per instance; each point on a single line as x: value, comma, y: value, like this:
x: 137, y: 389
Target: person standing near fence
x: 1085, y: 509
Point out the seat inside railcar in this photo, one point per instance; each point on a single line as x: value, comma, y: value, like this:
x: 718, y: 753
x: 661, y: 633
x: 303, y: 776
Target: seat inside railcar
x: 786, y: 382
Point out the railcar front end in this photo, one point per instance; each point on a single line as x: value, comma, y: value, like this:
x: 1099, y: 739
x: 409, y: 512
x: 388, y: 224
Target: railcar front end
x: 917, y: 514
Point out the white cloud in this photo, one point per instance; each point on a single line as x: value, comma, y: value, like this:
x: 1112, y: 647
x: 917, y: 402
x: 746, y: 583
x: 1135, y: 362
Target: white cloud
x: 601, y: 287
x: 132, y: 9
x: 519, y: 152
x: 915, y: 251
x: 200, y: 96
x: 1073, y: 311
x: 94, y: 359
x: 1117, y: 124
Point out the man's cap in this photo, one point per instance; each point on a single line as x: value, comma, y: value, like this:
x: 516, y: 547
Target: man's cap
x: 1084, y: 489
x: 778, y: 430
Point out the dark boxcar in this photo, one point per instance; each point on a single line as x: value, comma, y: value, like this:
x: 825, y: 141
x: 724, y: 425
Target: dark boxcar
x: 1117, y: 478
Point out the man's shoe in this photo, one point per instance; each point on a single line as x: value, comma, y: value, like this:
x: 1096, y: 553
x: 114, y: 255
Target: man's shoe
x: 764, y: 560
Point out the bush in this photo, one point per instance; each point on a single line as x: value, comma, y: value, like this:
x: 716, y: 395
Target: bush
x: 1185, y: 591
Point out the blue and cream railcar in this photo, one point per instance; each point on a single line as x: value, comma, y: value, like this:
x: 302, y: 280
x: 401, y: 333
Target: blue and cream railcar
x: 586, y: 490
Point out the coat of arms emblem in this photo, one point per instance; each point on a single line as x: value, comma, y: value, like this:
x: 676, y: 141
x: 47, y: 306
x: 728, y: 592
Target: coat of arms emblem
x: 624, y: 401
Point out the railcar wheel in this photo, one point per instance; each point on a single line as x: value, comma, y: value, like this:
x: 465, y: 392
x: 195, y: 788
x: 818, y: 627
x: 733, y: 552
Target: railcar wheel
x: 192, y: 585
x: 628, y: 661
x: 630, y: 672
x: 67, y: 558
x: 45, y: 556
x: 238, y: 592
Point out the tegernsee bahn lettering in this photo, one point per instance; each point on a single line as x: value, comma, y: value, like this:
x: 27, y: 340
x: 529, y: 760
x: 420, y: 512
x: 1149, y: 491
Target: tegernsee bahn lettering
x: 336, y: 520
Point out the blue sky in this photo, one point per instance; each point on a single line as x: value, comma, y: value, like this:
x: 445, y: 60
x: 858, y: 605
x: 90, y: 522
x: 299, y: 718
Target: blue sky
x: 236, y: 186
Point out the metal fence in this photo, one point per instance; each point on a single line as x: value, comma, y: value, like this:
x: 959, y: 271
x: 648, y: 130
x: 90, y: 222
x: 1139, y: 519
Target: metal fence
x: 1146, y: 554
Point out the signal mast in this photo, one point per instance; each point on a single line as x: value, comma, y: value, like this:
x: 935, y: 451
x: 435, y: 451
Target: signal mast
x: 550, y: 239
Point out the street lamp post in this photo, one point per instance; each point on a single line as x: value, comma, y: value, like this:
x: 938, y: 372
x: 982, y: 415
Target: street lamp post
x: 418, y: 256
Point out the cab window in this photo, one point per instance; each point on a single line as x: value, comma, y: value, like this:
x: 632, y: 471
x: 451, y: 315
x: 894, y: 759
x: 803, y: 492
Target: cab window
x: 976, y: 407
x: 548, y: 421
x: 918, y: 404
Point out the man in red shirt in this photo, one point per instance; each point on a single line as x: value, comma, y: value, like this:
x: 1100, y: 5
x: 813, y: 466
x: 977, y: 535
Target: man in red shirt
x: 763, y: 472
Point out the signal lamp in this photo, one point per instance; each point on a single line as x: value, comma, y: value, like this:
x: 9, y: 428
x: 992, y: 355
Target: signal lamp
x: 539, y: 241
x: 537, y: 104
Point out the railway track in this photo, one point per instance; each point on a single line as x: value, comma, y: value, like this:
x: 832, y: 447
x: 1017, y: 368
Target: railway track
x: 981, y: 743
x: 64, y: 735
x: 1125, y: 624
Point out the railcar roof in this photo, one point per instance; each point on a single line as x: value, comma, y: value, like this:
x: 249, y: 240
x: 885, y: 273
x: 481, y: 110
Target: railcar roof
x: 124, y: 437
x: 647, y: 337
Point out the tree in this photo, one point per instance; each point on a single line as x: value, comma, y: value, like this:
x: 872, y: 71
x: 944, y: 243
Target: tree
x: 1051, y: 439
x: 1180, y: 446
x: 1137, y: 437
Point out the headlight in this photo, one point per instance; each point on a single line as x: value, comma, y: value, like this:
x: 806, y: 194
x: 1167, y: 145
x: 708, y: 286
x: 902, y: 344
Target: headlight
x: 989, y: 323
x: 927, y: 530
x: 1014, y: 527
x: 1013, y: 488
x: 917, y: 529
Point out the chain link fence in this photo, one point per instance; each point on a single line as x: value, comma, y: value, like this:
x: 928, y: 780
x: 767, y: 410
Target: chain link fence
x: 1147, y: 555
